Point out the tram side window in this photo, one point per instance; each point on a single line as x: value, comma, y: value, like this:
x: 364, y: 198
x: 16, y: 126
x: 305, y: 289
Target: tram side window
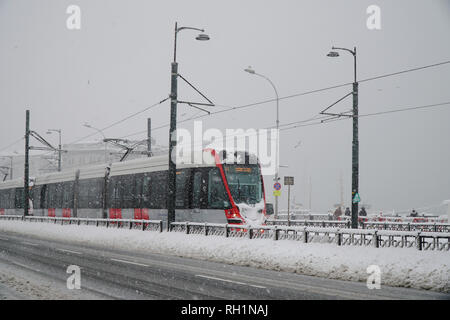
x: 199, y: 190
x: 90, y: 193
x: 67, y: 195
x: 137, y: 195
x: 146, y: 188
x: 36, y: 196
x: 4, y: 199
x: 44, y: 201
x: 113, y: 193
x: 158, y: 190
x: 19, y: 196
x: 181, y: 188
x: 217, y: 198
x: 59, y: 195
x: 127, y: 191
x: 83, y: 194
x: 51, y: 195
x: 95, y: 193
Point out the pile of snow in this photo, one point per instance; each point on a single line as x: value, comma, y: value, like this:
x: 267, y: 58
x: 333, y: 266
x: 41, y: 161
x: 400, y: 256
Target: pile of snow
x: 399, y: 266
x: 252, y: 213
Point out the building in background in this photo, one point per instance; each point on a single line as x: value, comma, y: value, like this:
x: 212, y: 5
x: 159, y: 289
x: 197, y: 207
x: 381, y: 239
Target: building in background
x: 77, y: 155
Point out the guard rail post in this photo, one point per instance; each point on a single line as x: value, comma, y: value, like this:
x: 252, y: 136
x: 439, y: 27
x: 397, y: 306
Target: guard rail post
x: 419, y: 240
x: 376, y: 239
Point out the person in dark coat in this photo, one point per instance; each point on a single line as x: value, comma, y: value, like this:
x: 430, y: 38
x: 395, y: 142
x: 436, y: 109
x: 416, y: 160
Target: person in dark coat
x: 347, y: 212
x: 414, y: 213
x: 363, y: 212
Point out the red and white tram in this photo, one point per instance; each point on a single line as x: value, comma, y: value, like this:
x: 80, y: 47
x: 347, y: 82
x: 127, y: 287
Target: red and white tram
x: 215, y: 191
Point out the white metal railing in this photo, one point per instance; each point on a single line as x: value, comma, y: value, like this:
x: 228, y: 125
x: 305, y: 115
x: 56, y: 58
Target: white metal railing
x: 378, y: 238
x: 340, y: 236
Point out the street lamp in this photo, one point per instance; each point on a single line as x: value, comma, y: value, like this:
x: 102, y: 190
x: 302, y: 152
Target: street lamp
x: 172, y: 176
x: 49, y: 131
x: 251, y: 71
x: 101, y: 132
x: 355, y: 143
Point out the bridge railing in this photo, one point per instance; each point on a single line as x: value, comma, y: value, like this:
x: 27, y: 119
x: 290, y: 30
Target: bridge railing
x: 340, y: 236
x: 378, y: 225
x: 378, y: 238
x: 149, y: 225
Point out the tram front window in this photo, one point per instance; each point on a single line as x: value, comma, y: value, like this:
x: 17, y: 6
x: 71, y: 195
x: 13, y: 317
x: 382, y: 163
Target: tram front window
x: 217, y: 197
x: 244, y: 182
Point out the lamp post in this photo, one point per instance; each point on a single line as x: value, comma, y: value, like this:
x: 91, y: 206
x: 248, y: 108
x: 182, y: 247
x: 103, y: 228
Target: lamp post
x: 101, y: 132
x: 355, y: 143
x: 171, y: 197
x: 49, y: 131
x: 251, y: 71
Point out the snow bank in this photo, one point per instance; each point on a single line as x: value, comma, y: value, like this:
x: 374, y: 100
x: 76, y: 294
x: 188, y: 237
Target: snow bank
x: 399, y: 267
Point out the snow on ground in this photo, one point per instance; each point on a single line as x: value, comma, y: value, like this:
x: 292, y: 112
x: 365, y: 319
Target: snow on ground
x: 399, y: 266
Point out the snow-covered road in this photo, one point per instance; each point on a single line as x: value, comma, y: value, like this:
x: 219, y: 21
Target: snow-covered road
x: 399, y: 267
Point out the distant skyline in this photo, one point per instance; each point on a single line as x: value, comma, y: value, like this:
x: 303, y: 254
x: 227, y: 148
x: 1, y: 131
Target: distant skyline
x: 118, y: 63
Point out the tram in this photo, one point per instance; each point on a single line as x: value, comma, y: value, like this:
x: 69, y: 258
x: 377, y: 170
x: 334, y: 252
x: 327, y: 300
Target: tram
x: 216, y: 191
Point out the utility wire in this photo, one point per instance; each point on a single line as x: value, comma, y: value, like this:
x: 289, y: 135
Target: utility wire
x: 10, y: 145
x: 304, y: 123
x: 371, y: 114
x: 228, y: 108
x: 121, y: 120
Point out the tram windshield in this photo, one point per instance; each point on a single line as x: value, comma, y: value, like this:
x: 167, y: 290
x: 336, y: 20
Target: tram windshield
x: 245, y: 183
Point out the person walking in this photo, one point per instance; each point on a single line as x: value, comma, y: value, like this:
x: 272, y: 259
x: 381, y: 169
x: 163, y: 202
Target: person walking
x: 337, y: 213
x: 363, y: 212
x: 347, y: 211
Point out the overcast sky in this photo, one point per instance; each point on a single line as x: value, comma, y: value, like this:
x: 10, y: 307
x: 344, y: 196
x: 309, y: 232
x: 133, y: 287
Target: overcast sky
x: 119, y: 62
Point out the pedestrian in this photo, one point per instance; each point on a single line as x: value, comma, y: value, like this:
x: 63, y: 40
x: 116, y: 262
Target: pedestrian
x: 347, y: 211
x: 337, y: 213
x: 363, y: 212
x: 414, y: 213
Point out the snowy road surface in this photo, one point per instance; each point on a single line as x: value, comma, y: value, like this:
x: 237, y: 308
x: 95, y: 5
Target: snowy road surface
x: 34, y: 268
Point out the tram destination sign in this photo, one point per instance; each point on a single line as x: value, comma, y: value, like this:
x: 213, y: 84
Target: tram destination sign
x: 288, y: 181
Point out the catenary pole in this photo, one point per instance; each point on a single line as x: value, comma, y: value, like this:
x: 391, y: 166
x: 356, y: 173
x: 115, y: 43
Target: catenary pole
x: 26, y: 173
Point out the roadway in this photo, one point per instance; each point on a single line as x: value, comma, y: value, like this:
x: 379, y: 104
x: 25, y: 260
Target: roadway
x: 34, y: 268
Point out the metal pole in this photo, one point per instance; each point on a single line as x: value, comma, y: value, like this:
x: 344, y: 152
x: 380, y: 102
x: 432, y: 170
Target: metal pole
x: 277, y: 150
x: 149, y: 136
x: 59, y: 151
x: 26, y: 173
x: 172, y: 176
x: 355, y: 149
x: 277, y: 138
x: 289, y: 198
